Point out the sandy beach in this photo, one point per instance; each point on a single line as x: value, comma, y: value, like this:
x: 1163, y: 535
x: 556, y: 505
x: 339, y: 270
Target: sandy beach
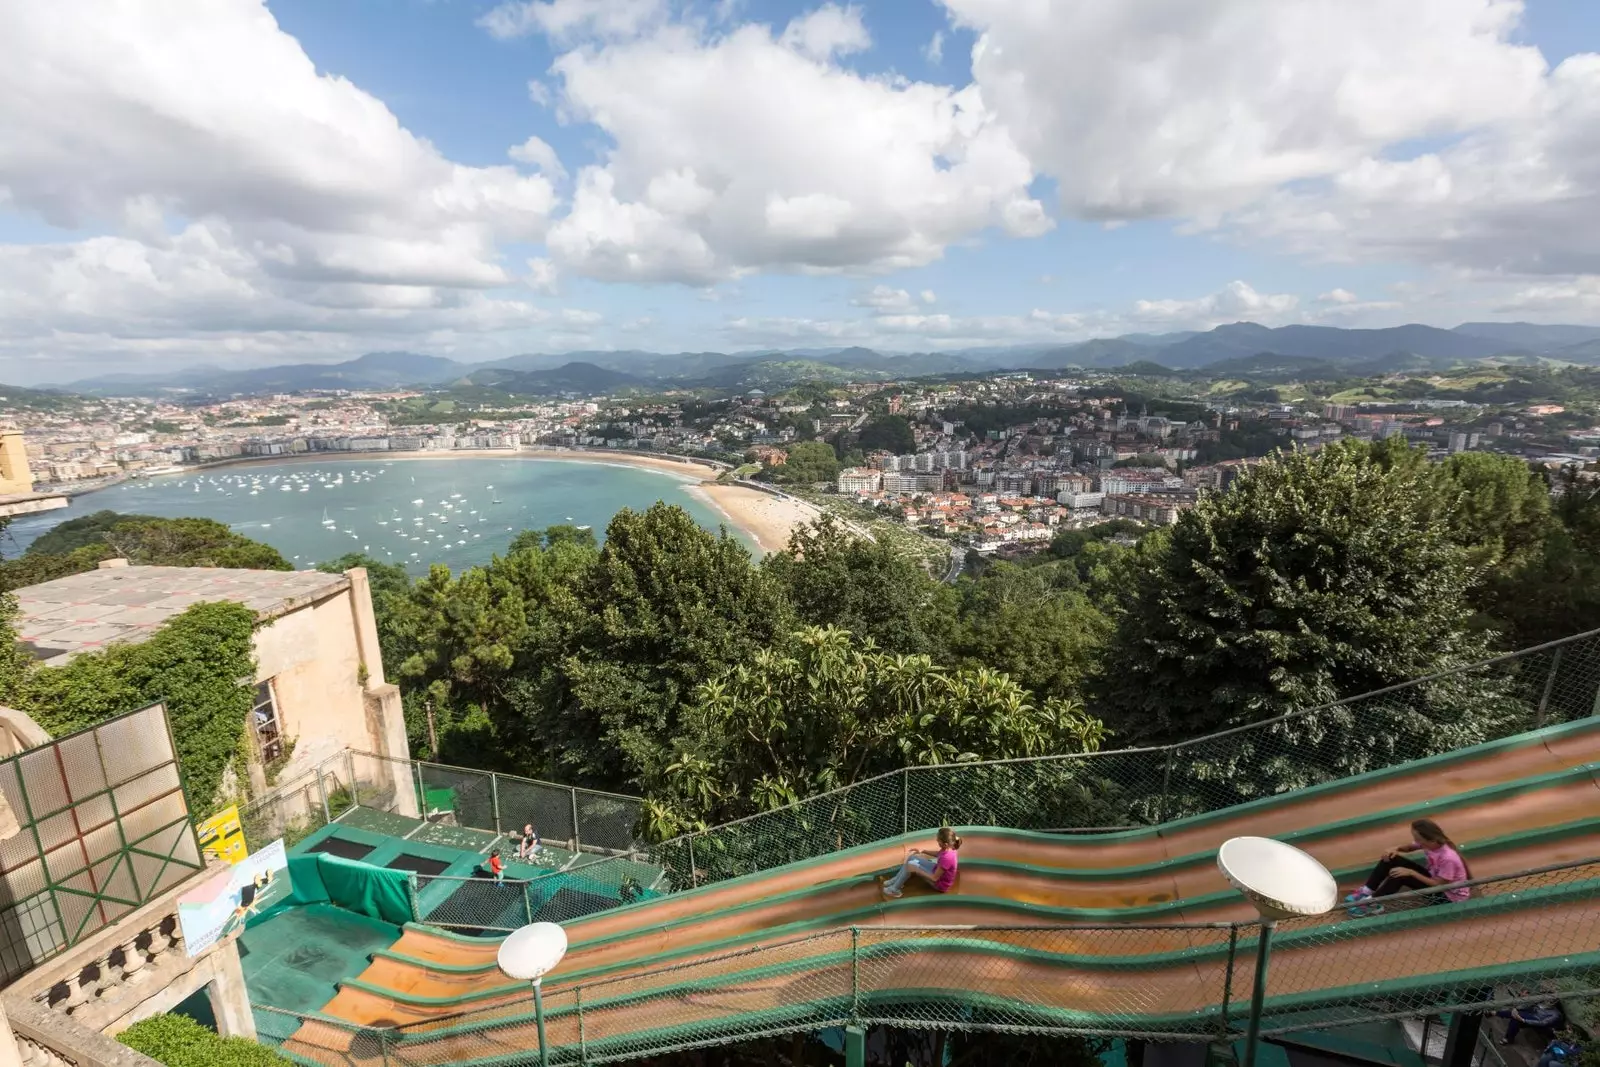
x: 769, y: 520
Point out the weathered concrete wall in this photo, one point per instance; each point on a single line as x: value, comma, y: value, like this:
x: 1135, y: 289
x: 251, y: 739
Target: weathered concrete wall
x: 313, y: 657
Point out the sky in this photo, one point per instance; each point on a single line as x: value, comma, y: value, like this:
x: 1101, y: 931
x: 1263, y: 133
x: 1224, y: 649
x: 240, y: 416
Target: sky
x: 249, y: 182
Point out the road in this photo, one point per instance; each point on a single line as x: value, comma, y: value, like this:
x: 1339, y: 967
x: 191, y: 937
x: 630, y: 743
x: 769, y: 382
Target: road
x: 958, y: 561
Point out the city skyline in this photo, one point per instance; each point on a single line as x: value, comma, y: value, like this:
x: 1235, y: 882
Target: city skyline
x: 245, y: 183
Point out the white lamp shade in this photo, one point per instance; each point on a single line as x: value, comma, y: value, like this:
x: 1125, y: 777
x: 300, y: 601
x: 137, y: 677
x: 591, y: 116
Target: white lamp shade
x: 532, y: 952
x: 1279, y: 879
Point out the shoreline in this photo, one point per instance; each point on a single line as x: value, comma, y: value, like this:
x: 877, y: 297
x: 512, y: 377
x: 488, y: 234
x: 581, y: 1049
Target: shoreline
x: 764, y: 519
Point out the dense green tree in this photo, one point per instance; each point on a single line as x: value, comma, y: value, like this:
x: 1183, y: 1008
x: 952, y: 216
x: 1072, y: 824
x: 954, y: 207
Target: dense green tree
x: 664, y: 605
x: 1317, y: 576
x: 833, y: 576
x: 193, y: 664
x: 820, y: 711
x: 808, y: 462
x: 890, y: 433
x: 142, y: 539
x: 85, y: 530
x: 1555, y: 591
x: 1496, y: 508
x: 1018, y: 620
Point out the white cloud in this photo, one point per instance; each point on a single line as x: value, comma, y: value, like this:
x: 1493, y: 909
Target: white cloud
x: 828, y: 31
x: 933, y: 51
x: 1176, y: 107
x: 1516, y: 197
x: 236, y: 220
x: 745, y: 152
x: 928, y: 296
x: 537, y: 153
x: 896, y: 323
x: 158, y: 111
x: 1337, y: 296
x: 542, y: 276
x: 1233, y: 302
x: 568, y: 20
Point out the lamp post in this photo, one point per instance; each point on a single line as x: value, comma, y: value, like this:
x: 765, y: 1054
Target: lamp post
x: 528, y: 955
x: 1281, y: 881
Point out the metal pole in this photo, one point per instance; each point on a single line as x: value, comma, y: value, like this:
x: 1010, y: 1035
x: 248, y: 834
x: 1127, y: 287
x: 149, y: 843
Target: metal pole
x: 855, y: 972
x: 350, y: 774
x: 855, y: 1047
x: 577, y: 836
x: 1166, y: 786
x: 583, y: 1039
x: 1227, y: 979
x: 694, y: 874
x: 322, y: 791
x: 1258, y: 992
x: 1549, y: 684
x: 905, y: 800
x: 422, y: 792
x: 538, y: 1013
x: 494, y: 798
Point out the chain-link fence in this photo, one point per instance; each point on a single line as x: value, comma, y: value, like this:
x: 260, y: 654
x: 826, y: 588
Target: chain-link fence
x: 575, y: 823
x: 1515, y: 939
x: 1499, y: 698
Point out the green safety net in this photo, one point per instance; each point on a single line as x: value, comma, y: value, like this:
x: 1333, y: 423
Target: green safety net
x: 376, y: 892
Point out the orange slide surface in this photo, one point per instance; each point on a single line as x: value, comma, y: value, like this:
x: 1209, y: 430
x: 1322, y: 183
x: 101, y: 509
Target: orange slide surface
x: 1515, y: 805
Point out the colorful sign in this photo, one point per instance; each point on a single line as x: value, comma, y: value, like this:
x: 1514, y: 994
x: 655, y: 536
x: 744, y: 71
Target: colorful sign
x: 225, y: 902
x: 222, y: 836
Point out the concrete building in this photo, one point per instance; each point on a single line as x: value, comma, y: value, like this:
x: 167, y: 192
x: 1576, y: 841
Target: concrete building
x: 16, y: 480
x: 319, y: 677
x: 860, y: 480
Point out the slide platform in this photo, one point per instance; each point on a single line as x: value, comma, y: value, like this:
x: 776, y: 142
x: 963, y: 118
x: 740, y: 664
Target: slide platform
x: 766, y: 944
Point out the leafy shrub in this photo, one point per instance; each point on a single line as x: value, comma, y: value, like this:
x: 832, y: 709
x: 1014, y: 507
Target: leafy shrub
x: 179, y: 1041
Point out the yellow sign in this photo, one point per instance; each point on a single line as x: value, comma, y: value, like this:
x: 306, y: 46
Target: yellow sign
x: 222, y: 836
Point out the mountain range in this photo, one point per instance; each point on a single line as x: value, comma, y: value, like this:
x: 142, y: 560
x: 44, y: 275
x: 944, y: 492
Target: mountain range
x: 1231, y: 349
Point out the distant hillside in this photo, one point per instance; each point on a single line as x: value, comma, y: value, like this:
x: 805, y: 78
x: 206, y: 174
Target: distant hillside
x: 1344, y: 352
x: 1323, y: 342
x: 584, y: 379
x: 375, y: 370
x: 16, y: 398
x: 1530, y: 336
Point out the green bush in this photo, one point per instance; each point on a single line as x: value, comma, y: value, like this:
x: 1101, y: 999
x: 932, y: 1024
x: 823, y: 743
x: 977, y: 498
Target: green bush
x: 179, y: 1041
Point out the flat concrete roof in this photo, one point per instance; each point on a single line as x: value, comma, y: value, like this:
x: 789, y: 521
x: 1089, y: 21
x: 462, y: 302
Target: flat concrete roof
x: 88, y: 611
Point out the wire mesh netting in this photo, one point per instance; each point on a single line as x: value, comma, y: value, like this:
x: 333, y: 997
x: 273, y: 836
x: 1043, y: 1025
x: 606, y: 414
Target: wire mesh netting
x: 1499, y: 698
x: 1514, y: 939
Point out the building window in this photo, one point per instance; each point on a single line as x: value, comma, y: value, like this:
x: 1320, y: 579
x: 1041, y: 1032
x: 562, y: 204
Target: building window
x: 264, y: 719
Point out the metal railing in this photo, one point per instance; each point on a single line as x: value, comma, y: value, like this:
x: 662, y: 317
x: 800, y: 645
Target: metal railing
x: 607, y: 866
x: 1176, y: 981
x: 1492, y: 700
x: 569, y: 818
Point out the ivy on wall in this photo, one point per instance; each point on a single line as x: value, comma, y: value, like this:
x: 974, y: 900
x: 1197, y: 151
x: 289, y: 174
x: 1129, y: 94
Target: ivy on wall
x: 195, y: 664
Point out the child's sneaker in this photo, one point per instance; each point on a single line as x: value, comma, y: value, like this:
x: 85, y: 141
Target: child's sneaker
x: 892, y: 894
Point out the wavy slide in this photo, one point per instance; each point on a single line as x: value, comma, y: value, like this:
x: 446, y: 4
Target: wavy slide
x: 682, y: 964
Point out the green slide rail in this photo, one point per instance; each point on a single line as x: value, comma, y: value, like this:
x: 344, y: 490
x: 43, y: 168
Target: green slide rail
x: 1538, y: 929
x: 1509, y: 697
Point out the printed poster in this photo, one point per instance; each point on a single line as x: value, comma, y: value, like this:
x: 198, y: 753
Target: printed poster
x: 224, y: 903
x: 222, y: 836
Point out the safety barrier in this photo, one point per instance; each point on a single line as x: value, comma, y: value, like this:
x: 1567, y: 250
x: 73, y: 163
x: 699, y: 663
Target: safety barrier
x: 578, y: 820
x: 1519, y: 937
x: 1498, y: 698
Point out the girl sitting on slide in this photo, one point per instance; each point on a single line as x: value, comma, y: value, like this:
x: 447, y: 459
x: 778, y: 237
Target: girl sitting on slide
x: 938, y: 869
x: 1398, y: 873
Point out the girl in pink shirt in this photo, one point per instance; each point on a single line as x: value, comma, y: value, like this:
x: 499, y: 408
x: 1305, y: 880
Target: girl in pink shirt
x: 1442, y: 865
x: 938, y: 869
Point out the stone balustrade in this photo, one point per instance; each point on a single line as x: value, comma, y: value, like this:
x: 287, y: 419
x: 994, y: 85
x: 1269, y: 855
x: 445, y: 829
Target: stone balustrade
x: 44, y: 1038
x: 140, y: 953
x: 137, y: 967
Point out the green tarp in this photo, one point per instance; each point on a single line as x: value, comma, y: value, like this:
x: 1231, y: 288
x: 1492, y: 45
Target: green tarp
x: 377, y: 892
